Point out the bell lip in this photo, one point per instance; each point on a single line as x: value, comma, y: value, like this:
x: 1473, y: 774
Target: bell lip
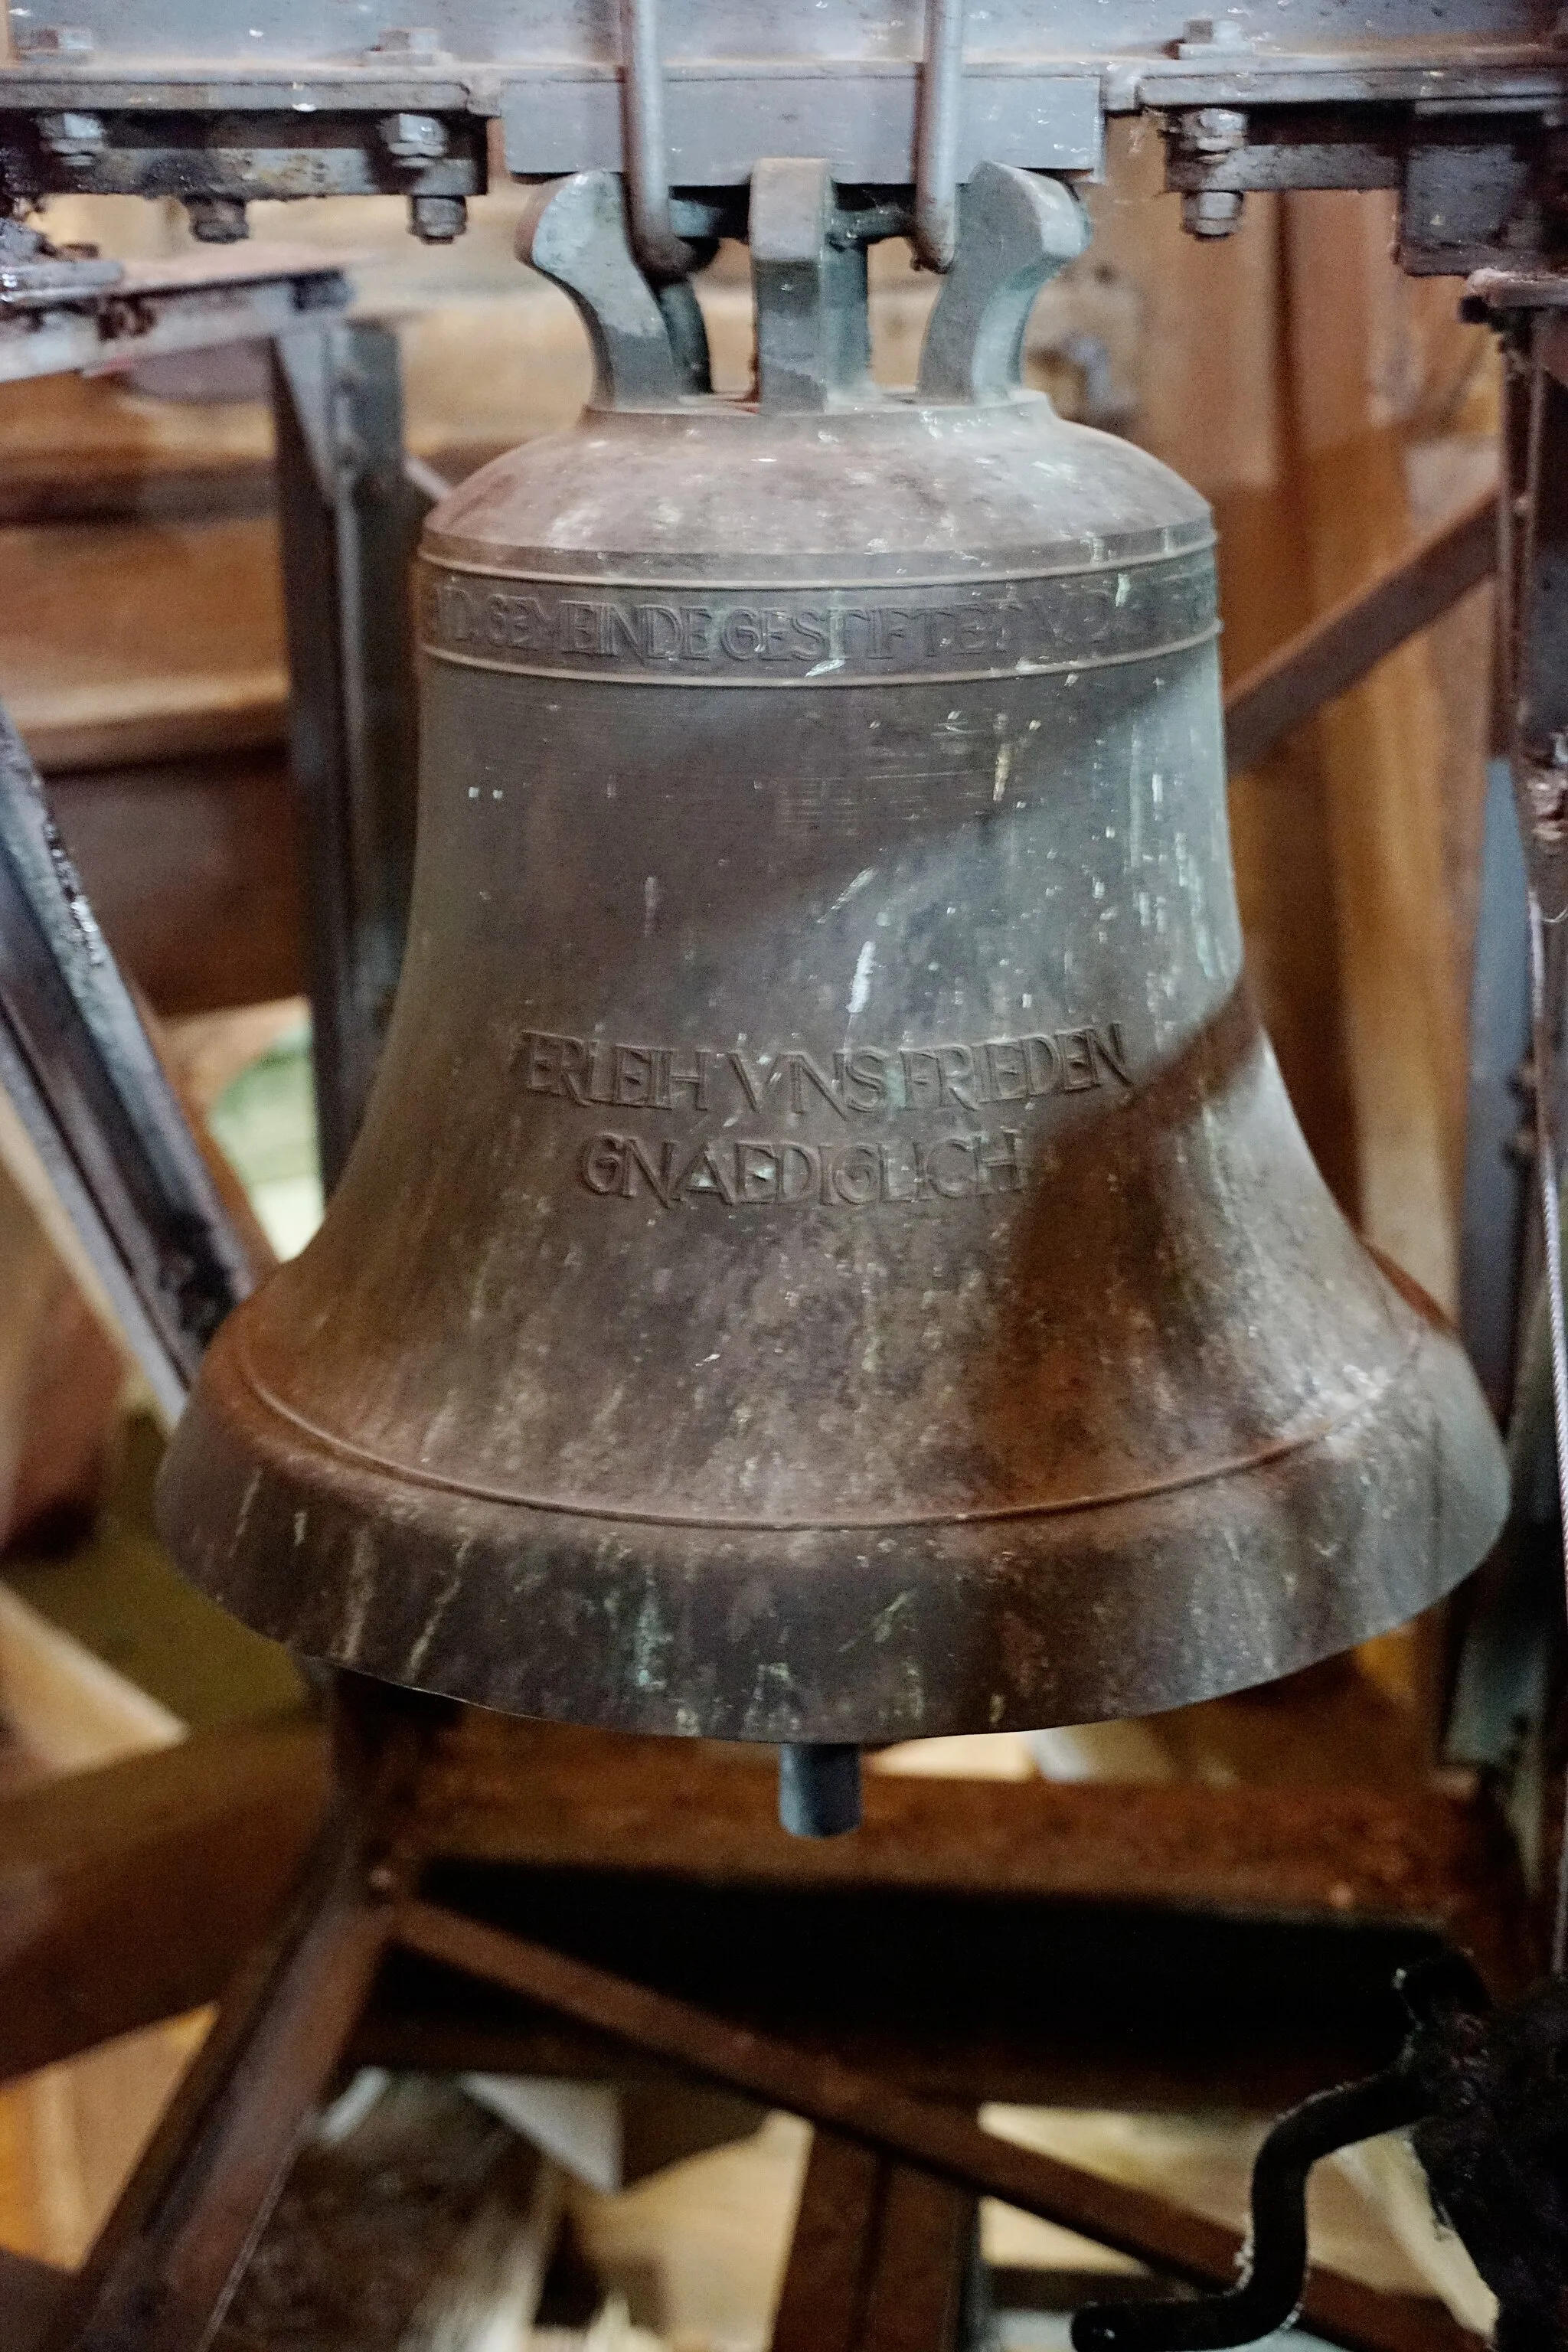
x: 1125, y: 1610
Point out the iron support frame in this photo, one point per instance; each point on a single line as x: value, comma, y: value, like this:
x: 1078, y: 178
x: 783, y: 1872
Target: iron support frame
x: 350, y: 511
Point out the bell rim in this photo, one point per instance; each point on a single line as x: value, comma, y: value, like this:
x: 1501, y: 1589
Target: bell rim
x: 1122, y: 1613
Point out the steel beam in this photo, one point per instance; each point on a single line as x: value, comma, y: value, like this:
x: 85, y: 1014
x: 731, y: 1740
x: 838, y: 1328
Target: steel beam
x: 939, y: 2141
x: 1338, y: 649
x: 153, y: 309
x: 879, y: 2257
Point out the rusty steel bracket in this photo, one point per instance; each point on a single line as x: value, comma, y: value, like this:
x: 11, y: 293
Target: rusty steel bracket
x: 938, y: 2141
x: 349, y: 517
x: 84, y: 1080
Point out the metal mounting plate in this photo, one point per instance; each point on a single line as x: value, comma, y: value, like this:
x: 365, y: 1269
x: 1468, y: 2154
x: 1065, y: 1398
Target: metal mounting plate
x: 793, y: 75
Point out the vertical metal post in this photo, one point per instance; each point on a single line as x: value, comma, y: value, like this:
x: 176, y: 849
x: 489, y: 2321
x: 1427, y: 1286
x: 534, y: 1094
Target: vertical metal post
x: 665, y: 258
x: 1495, y: 1203
x: 349, y: 518
x: 936, y: 135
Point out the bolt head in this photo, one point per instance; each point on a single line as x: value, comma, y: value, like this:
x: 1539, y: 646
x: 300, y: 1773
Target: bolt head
x: 78, y: 138
x: 415, y: 138
x: 1214, y: 129
x: 217, y: 220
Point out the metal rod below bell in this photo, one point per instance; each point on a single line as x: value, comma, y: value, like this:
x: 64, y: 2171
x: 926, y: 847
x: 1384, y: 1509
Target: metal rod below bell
x: 819, y: 1788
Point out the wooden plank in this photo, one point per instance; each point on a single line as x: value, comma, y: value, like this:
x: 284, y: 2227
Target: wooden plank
x: 184, y: 721
x: 1340, y: 648
x: 916, y: 2288
x: 71, y: 1711
x: 1381, y: 746
x: 131, y: 1894
x: 160, y: 2272
x: 30, y: 2295
x: 822, y: 2300
x: 61, y: 1380
x: 558, y: 1796
x: 877, y: 2261
x: 136, y: 641
x: 959, y: 1997
x: 193, y: 870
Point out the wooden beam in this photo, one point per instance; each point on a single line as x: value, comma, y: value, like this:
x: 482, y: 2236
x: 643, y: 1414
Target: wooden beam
x: 877, y: 2261
x: 131, y: 1894
x: 560, y: 1796
x: 193, y: 867
x: 30, y: 2295
x: 161, y: 2270
x: 1338, y: 649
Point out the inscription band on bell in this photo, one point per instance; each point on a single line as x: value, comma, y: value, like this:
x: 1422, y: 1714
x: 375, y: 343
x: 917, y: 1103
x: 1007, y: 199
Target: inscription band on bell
x: 681, y: 634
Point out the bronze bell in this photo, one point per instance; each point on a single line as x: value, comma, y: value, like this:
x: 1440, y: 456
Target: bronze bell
x: 829, y: 1258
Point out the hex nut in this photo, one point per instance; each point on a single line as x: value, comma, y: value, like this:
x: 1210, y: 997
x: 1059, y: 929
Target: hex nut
x: 1214, y: 130
x: 1211, y: 212
x: 217, y: 220
x: 78, y: 138
x: 415, y: 138
x: 437, y: 220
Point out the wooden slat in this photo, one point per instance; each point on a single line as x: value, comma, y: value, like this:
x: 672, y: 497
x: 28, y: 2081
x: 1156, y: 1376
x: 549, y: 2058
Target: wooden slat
x: 877, y: 2261
x: 916, y: 2285
x: 130, y: 1894
x: 1381, y: 747
x: 823, y: 2299
x: 1338, y: 649
x: 193, y: 870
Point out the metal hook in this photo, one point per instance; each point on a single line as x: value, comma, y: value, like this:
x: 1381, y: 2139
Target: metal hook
x: 936, y: 138
x: 575, y: 232
x: 666, y: 257
x: 1437, y: 1993
x: 1268, y: 2296
x: 1019, y: 228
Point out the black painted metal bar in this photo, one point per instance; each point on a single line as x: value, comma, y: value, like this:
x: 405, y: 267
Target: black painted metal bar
x: 85, y: 1080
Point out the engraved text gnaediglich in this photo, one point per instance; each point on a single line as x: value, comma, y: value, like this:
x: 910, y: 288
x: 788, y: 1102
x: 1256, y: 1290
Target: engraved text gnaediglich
x: 729, y: 1089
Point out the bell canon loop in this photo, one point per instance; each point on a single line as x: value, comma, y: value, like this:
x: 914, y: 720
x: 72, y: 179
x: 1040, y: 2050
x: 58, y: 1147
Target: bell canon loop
x: 829, y: 1257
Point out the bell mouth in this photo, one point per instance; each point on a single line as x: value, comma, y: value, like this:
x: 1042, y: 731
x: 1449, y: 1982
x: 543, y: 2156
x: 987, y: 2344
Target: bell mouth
x: 859, y: 1634
x: 1181, y: 1476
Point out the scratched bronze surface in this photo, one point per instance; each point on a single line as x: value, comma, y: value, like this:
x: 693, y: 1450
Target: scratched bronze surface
x: 829, y: 1255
